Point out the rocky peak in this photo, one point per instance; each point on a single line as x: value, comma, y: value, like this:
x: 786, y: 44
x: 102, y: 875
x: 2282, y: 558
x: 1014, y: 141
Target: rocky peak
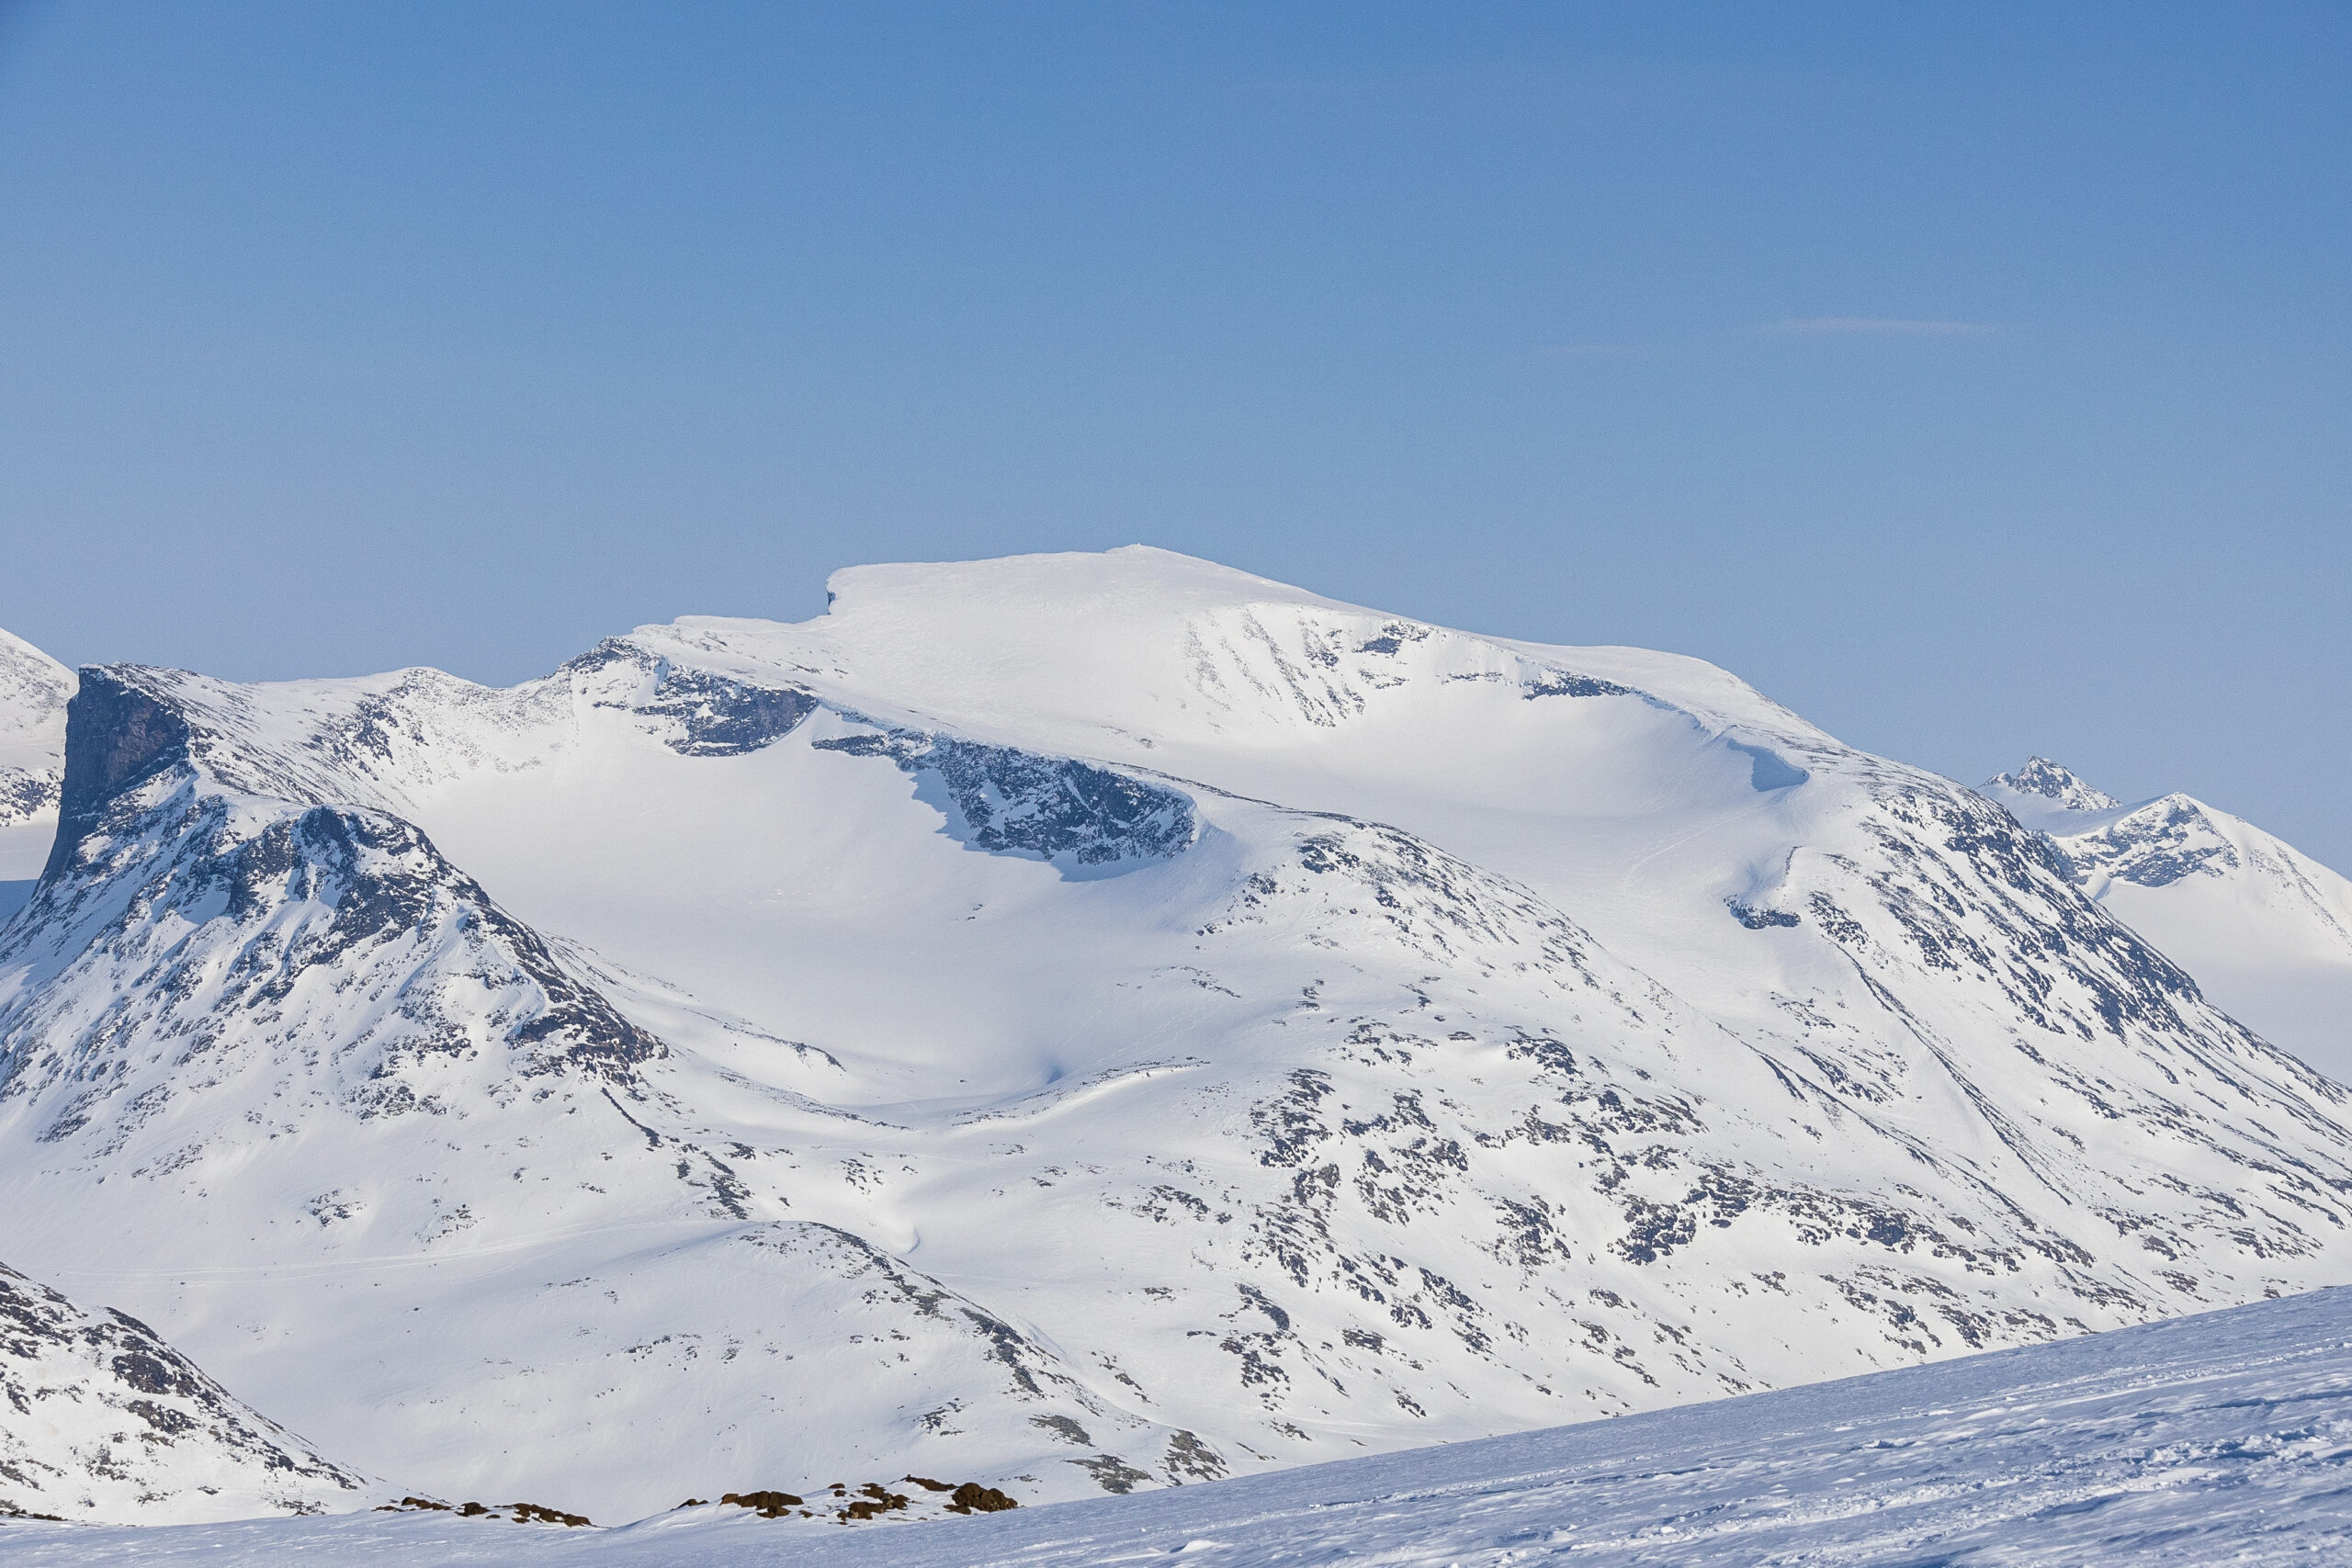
x: 2042, y: 777
x: 118, y: 736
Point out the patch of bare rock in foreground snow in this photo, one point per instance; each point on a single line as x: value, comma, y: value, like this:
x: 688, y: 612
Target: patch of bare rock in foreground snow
x: 2223, y: 1436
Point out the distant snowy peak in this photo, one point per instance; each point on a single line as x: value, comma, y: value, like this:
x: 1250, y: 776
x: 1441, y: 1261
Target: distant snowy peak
x: 2265, y: 930
x: 2047, y: 786
x: 2160, y: 842
x: 2154, y: 844
x: 2176, y: 839
x: 102, y: 1421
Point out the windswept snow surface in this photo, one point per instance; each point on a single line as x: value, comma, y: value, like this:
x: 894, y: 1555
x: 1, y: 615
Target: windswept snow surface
x: 2266, y: 930
x: 1085, y: 1024
x: 2221, y: 1438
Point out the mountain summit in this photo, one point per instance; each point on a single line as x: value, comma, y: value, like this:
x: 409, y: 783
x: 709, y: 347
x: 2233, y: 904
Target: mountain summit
x: 2048, y: 786
x: 1086, y: 1022
x: 2266, y: 930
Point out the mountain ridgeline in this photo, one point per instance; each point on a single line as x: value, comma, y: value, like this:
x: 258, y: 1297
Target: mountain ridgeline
x: 1088, y: 1023
x: 106, y: 1423
x: 2266, y: 928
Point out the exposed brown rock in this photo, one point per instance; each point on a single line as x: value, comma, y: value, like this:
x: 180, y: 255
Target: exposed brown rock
x: 520, y: 1513
x: 767, y: 1505
x: 974, y: 1498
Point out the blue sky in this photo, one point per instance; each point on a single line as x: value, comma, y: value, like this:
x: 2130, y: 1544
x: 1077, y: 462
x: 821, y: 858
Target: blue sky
x: 1972, y: 379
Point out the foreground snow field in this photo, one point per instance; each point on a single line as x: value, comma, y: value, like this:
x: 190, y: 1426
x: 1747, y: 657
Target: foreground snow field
x: 2220, y: 1438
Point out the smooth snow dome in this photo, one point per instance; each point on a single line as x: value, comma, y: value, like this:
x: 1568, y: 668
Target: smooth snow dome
x: 1086, y: 1025
x: 1425, y: 309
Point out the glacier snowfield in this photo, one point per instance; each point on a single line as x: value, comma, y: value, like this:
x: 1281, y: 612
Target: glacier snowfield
x: 2223, y: 1438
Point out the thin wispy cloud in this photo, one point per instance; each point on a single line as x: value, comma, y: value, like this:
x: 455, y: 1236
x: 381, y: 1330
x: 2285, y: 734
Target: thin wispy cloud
x: 1874, y: 326
x: 1791, y: 328
x: 1594, y: 350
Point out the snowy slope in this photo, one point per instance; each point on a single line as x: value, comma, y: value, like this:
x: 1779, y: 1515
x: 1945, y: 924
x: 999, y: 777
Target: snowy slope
x: 2218, y: 1437
x: 33, y: 693
x: 2266, y: 930
x: 1085, y: 1024
x: 102, y: 1421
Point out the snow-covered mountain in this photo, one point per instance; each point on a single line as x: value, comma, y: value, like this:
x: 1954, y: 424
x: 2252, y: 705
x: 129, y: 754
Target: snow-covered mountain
x: 1085, y: 1022
x: 33, y: 693
x: 101, y: 1421
x: 2266, y: 930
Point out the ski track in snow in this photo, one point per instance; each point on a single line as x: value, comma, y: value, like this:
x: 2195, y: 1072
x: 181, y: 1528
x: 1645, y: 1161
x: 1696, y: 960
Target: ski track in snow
x: 2223, y: 1436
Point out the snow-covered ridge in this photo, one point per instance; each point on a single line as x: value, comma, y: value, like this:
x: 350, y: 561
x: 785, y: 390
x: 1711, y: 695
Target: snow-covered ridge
x: 2042, y: 786
x: 100, y: 1421
x: 1087, y: 1024
x: 34, y: 689
x: 2266, y: 930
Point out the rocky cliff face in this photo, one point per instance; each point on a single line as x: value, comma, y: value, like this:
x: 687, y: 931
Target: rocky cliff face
x: 1089, y: 1023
